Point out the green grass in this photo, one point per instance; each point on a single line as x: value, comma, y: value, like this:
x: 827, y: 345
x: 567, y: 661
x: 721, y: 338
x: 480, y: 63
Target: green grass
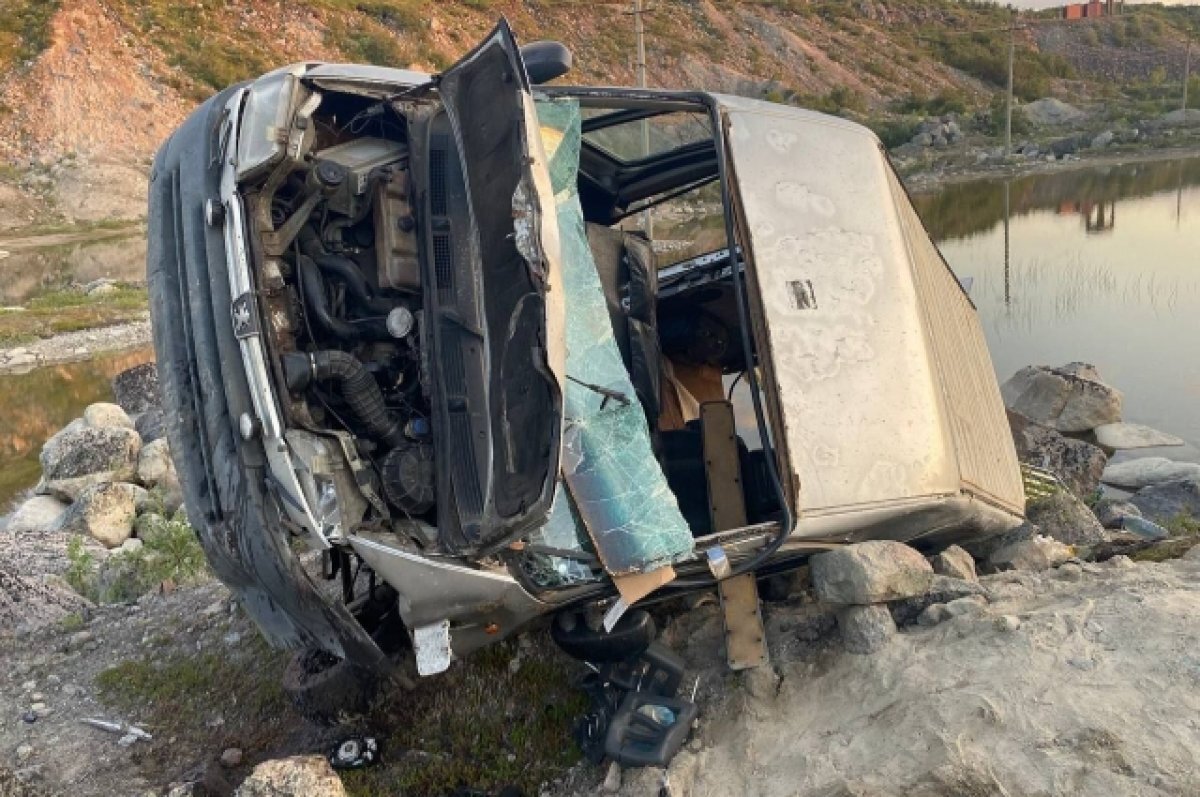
x: 170, y: 552
x: 24, y: 29
x: 69, y: 311
x: 479, y: 725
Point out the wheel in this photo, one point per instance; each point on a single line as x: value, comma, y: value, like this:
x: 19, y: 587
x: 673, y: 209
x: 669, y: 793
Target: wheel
x: 327, y: 690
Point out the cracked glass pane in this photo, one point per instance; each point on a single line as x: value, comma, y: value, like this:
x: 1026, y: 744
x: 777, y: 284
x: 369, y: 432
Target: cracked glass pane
x: 616, y: 488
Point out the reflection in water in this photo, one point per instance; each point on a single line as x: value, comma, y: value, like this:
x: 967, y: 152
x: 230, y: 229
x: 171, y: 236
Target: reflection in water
x: 1050, y: 289
x: 28, y: 272
x: 35, y: 405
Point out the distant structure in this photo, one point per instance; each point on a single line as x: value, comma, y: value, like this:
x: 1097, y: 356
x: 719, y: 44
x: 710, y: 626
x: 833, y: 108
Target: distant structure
x: 1092, y: 9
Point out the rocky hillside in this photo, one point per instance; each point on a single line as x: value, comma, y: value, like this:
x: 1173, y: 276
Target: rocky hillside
x: 109, y: 78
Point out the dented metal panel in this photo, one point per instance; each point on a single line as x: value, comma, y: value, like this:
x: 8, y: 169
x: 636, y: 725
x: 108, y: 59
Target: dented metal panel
x: 861, y: 404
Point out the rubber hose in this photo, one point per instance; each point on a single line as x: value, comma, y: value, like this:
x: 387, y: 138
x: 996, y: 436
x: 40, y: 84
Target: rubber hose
x: 348, y: 271
x: 318, y: 303
x: 361, y: 392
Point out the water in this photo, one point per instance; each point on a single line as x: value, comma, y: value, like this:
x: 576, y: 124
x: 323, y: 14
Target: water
x: 1097, y: 264
x: 52, y: 262
x: 34, y: 406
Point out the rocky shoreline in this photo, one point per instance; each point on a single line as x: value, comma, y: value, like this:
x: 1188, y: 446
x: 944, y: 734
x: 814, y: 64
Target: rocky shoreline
x: 74, y: 346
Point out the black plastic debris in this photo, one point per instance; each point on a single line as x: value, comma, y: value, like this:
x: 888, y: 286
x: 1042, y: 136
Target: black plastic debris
x: 356, y: 752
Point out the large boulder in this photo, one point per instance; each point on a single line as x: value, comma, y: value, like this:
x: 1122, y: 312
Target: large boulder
x: 81, y: 456
x: 1077, y: 464
x: 1121, y: 436
x: 1135, y: 474
x: 136, y: 389
x: 1063, y: 517
x: 1033, y: 553
x: 103, y: 415
x: 1070, y: 399
x: 870, y: 572
x: 35, y: 514
x: 299, y: 776
x: 151, y: 425
x: 1162, y: 502
x: 104, y: 512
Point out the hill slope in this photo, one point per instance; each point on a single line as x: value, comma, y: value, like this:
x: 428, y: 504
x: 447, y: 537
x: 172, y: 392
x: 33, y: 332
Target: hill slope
x: 110, y: 78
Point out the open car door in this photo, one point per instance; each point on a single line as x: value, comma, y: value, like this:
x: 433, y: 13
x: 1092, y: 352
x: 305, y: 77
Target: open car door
x: 494, y: 320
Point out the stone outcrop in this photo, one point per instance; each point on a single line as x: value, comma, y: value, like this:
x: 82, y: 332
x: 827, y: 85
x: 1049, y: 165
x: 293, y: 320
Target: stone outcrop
x: 104, y: 512
x: 1135, y: 474
x: 1077, y: 464
x: 870, y: 572
x: 81, y: 456
x: 1163, y: 502
x: 1063, y: 517
x: 1069, y: 399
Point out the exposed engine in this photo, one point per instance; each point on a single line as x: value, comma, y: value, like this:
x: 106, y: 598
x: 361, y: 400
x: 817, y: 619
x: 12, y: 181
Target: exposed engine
x: 341, y: 280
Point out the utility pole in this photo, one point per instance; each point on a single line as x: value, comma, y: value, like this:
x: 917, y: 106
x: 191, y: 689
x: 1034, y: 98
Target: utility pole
x: 639, y: 30
x: 1012, y: 34
x: 1187, y: 74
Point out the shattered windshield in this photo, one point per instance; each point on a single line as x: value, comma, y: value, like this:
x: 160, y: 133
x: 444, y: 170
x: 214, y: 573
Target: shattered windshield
x: 616, y: 501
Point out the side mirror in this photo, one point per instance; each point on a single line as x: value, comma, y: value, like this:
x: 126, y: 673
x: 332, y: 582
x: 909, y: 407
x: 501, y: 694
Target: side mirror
x: 545, y: 60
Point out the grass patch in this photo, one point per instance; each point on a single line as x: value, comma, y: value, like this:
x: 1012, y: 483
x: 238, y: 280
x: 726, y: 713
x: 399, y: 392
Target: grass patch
x: 479, y: 725
x: 69, y: 311
x: 25, y: 29
x: 170, y: 552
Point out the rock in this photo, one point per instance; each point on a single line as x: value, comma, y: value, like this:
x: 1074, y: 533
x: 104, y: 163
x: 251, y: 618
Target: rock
x: 1070, y: 572
x: 870, y: 572
x: 932, y: 615
x: 1007, y: 623
x: 1163, y: 502
x: 24, y: 751
x: 1103, y: 140
x: 923, y: 140
x: 1036, y: 553
x: 1192, y: 555
x: 100, y: 287
x: 943, y: 589
x: 1111, y: 511
x: 136, y: 389
x: 80, y: 456
x: 865, y: 629
x: 1146, y: 529
x: 104, y: 512
x: 1120, y: 436
x: 151, y: 425
x: 612, y: 780
x: 155, y: 468
x: 1134, y: 474
x: 38, y: 513
x: 970, y: 605
x: 103, y: 415
x: 299, y: 776
x: 131, y: 545
x: 1049, y: 111
x: 231, y: 757
x: 1069, y: 399
x: 1077, y: 464
x: 954, y: 562
x: 1063, y: 517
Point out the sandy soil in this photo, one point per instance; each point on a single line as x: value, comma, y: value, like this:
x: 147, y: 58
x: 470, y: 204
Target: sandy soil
x: 1094, y: 693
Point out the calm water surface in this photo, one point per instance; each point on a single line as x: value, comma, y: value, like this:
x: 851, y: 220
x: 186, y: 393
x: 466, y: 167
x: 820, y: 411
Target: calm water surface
x: 1100, y: 265
x: 35, y: 405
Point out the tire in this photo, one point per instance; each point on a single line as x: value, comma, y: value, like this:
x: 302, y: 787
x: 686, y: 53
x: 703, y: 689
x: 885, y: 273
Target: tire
x: 327, y: 690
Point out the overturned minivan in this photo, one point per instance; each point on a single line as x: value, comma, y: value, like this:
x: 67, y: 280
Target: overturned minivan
x: 419, y: 324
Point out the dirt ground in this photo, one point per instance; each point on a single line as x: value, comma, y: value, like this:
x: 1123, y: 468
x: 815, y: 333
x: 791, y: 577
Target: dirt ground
x: 1094, y: 693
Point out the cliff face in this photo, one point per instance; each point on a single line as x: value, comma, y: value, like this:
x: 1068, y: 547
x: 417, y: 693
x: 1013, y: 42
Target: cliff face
x: 109, y: 79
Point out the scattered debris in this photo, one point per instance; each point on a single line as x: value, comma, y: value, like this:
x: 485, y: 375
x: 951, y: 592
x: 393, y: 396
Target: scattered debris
x: 113, y: 726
